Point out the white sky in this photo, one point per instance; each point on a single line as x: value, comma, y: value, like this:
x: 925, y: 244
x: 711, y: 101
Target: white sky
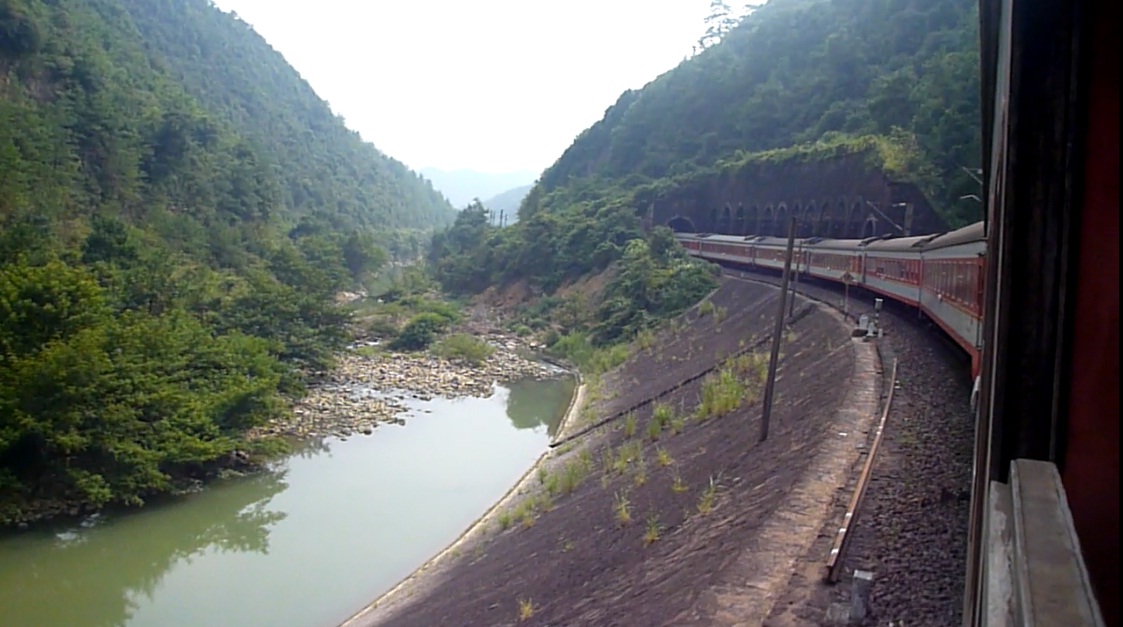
x: 491, y: 85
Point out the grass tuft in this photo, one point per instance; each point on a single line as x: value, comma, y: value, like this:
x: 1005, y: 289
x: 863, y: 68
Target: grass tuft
x: 629, y: 425
x: 640, y: 477
x: 679, y: 486
x: 623, y: 509
x: 708, y: 498
x: 526, y: 609
x: 654, y: 530
x: 722, y: 393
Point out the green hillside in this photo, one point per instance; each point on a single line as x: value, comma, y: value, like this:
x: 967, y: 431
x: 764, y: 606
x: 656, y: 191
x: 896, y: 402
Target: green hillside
x: 169, y: 247
x: 795, y: 80
x: 797, y: 72
x: 231, y: 70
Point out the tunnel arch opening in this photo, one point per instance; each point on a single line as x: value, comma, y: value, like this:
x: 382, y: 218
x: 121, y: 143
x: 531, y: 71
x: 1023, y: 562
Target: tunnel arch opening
x: 851, y: 227
x: 680, y: 224
x: 724, y: 221
x: 869, y: 227
x: 780, y: 225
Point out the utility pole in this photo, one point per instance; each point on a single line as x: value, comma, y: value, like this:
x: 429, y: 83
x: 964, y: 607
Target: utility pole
x: 778, y: 334
x: 795, y: 283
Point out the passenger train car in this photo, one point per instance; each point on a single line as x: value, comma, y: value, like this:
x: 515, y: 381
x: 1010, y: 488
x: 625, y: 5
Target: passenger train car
x: 1043, y: 531
x: 941, y: 274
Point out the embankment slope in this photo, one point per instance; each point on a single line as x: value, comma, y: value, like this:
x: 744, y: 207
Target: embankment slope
x: 716, y: 522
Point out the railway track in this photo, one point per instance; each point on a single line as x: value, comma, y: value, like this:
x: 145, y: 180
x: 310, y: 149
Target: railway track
x: 915, y: 502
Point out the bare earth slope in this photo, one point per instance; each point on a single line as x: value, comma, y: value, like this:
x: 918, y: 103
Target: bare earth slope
x: 718, y: 523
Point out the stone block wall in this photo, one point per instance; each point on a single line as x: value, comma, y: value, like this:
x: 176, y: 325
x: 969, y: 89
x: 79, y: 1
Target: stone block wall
x: 841, y: 197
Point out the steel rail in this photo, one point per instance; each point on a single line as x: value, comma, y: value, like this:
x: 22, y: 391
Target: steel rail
x: 842, y: 540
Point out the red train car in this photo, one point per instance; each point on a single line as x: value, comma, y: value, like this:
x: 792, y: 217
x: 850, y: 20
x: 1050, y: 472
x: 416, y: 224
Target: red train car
x: 1049, y: 399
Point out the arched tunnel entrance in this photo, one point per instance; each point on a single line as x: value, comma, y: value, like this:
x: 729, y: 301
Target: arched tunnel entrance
x: 680, y: 224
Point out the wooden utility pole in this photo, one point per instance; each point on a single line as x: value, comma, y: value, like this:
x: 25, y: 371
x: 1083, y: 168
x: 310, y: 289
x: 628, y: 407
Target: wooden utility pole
x: 778, y: 334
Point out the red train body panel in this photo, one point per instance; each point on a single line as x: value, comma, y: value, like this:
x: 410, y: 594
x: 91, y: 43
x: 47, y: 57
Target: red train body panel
x: 941, y: 275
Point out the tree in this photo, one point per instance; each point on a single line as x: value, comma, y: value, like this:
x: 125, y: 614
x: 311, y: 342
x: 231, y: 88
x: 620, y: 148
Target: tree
x: 719, y: 22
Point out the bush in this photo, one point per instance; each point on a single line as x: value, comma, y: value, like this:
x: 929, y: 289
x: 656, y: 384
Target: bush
x: 382, y: 327
x: 465, y: 347
x: 447, y: 312
x: 577, y: 348
x: 419, y: 333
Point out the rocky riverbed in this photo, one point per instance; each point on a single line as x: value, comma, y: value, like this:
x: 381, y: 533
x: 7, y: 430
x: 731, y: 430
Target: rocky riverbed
x: 370, y: 387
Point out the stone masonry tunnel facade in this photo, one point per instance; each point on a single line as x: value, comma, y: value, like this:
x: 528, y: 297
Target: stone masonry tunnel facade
x: 842, y: 198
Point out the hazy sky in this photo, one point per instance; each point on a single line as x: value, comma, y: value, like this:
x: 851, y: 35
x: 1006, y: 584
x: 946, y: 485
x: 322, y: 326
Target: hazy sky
x: 492, y: 85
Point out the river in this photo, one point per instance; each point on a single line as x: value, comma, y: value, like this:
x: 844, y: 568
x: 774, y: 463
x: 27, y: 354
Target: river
x: 304, y: 544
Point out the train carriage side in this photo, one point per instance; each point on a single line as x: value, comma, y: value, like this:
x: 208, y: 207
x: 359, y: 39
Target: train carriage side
x: 770, y: 252
x: 729, y: 248
x: 892, y: 267
x: 952, y: 291
x: 691, y: 242
x: 832, y: 259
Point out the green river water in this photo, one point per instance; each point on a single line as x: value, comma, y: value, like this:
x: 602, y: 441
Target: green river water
x: 305, y: 544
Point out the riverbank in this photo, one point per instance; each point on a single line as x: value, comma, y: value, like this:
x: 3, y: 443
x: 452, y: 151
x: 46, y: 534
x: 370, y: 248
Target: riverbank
x: 478, y: 529
x: 369, y: 386
x: 652, y: 516
x: 293, y: 544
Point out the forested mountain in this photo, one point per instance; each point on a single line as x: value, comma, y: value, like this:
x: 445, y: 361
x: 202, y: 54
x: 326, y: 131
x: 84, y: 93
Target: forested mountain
x: 232, y: 71
x: 170, y: 244
x: 508, y: 202
x: 796, y: 72
x: 794, y: 80
x: 461, y: 187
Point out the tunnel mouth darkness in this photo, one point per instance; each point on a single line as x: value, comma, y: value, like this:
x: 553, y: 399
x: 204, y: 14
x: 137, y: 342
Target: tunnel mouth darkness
x: 680, y: 224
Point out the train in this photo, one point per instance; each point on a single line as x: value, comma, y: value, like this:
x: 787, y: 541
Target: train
x: 1032, y: 295
x: 942, y: 275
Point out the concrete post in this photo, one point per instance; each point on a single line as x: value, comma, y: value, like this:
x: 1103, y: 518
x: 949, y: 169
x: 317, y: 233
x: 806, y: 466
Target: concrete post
x: 860, y: 595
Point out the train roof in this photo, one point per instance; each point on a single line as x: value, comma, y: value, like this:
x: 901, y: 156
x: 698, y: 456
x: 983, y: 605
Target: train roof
x: 822, y: 243
x: 972, y: 233
x: 900, y: 244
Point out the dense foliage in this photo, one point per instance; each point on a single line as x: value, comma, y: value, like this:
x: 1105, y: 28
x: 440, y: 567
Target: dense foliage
x: 651, y: 279
x: 227, y: 65
x: 167, y: 270
x: 796, y: 72
x: 795, y: 80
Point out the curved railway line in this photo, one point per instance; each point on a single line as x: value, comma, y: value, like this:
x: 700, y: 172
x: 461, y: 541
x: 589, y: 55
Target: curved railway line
x: 911, y: 526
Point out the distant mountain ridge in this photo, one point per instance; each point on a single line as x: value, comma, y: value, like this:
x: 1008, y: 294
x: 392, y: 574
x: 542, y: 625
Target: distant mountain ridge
x: 507, y: 203
x: 461, y: 186
x: 239, y: 77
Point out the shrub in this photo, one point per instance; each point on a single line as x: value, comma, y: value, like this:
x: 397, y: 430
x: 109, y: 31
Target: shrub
x: 419, y: 333
x: 465, y: 347
x: 382, y: 327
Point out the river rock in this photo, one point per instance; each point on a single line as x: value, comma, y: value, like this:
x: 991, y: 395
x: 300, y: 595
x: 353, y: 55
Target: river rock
x: 367, y: 389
